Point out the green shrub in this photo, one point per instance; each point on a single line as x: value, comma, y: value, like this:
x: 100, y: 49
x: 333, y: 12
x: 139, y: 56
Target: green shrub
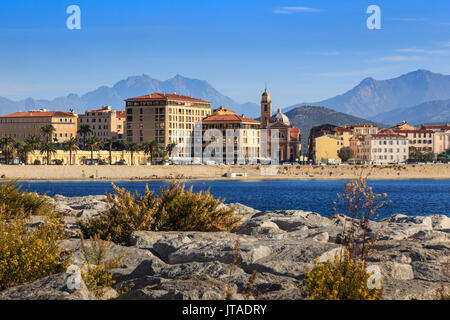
x: 28, y: 254
x: 37, y: 162
x: 173, y: 209
x: 181, y: 210
x: 126, y: 213
x: 341, y: 279
x: 14, y: 200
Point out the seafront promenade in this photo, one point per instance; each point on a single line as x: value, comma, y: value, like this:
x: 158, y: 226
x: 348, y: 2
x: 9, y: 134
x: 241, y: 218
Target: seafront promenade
x: 203, y: 172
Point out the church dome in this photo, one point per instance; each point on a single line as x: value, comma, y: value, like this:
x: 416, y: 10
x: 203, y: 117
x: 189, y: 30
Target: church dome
x: 280, y: 117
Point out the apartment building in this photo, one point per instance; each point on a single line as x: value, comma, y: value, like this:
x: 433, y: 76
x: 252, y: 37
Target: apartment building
x: 364, y: 129
x: 166, y: 118
x: 421, y: 139
x: 104, y: 123
x: 246, y: 135
x: 21, y: 125
x: 384, y: 148
x: 336, y: 137
x: 441, y: 141
x: 326, y: 149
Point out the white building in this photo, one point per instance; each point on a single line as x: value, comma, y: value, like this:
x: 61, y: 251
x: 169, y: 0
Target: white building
x: 384, y: 148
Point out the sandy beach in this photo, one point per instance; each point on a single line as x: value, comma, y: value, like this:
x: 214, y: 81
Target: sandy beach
x: 200, y: 172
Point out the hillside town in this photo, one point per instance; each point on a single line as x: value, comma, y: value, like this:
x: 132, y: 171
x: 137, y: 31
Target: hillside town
x: 162, y: 128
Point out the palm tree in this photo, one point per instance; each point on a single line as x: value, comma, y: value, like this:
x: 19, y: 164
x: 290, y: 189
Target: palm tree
x: 133, y: 147
x: 23, y: 149
x: 84, y: 130
x: 48, y: 148
x: 150, y: 147
x: 109, y: 143
x: 170, y: 148
x: 93, y: 144
x: 48, y: 130
x: 34, y: 142
x: 6, y: 144
x: 71, y: 145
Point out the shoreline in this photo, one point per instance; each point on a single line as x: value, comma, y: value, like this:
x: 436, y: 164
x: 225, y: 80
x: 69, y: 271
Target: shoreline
x: 218, y: 173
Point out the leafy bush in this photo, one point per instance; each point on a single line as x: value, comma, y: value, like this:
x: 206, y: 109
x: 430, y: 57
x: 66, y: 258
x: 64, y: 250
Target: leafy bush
x: 341, y: 279
x: 126, y: 213
x: 28, y: 254
x: 173, y: 209
x: 14, y: 200
x: 97, y: 275
x: 37, y: 162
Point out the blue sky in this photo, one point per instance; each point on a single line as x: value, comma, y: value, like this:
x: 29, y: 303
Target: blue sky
x: 306, y: 50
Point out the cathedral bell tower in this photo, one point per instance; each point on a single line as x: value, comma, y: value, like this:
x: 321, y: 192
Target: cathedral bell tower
x: 266, y: 109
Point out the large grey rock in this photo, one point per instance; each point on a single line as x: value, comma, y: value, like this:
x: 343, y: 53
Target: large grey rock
x: 50, y: 288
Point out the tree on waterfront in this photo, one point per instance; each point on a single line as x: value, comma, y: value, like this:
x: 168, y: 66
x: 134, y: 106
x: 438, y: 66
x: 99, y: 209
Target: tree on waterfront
x: 93, y: 144
x: 170, y: 148
x: 49, y: 149
x: 110, y: 143
x: 71, y: 145
x: 84, y: 130
x: 23, y: 149
x: 34, y: 142
x: 133, y: 147
x: 345, y: 154
x: 6, y: 144
x: 150, y: 147
x: 47, y: 131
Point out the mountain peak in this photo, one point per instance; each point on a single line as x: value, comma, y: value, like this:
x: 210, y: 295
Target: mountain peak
x: 368, y: 81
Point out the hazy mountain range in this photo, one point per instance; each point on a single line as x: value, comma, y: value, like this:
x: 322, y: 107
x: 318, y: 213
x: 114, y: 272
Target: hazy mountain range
x: 389, y: 101
x: 419, y: 96
x: 132, y: 87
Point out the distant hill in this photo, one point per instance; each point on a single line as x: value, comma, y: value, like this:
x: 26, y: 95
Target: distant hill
x: 306, y: 117
x: 428, y: 112
x: 372, y: 97
x: 131, y: 87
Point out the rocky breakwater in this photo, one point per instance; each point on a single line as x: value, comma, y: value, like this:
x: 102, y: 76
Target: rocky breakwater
x: 277, y: 244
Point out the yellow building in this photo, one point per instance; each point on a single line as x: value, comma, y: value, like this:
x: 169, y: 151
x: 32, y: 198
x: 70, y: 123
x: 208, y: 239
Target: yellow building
x: 326, y: 149
x: 104, y: 123
x: 166, y: 118
x: 21, y: 125
x: 248, y: 132
x: 341, y: 135
x: 84, y: 157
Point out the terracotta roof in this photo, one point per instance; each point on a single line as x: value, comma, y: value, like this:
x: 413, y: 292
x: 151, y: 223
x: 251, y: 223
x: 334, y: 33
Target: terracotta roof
x: 39, y: 114
x: 165, y: 96
x: 121, y: 114
x: 412, y: 131
x: 387, y: 135
x: 344, y: 129
x: 444, y: 128
x: 228, y: 117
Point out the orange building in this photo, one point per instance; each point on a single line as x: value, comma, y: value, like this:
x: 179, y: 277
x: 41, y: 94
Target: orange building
x: 166, y: 118
x: 21, y: 125
x: 224, y: 119
x: 104, y: 123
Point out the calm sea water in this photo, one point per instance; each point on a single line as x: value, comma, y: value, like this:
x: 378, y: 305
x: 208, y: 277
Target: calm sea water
x: 410, y: 197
